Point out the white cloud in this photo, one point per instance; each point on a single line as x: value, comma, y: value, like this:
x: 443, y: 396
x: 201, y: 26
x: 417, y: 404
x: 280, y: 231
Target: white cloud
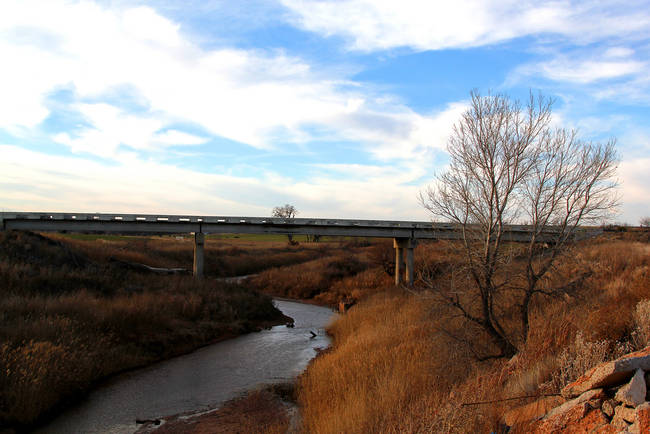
x: 258, y: 98
x: 617, y: 72
x: 109, y: 128
x: 400, y: 134
x: 432, y: 25
x: 614, y: 52
x: 584, y: 71
x: 110, y: 58
x: 76, y: 184
x: 254, y: 97
x: 635, y: 178
x: 176, y: 138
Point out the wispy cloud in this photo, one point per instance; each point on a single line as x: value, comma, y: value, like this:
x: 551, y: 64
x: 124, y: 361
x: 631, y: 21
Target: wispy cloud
x: 130, y: 84
x: 82, y: 185
x: 602, y: 72
x: 258, y: 98
x: 586, y: 65
x: 371, y: 25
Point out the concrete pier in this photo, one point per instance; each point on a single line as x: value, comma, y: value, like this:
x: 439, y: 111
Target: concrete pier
x: 199, y: 254
x: 399, y: 261
x: 404, y: 260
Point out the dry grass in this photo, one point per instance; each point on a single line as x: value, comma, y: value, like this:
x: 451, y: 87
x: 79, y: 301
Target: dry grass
x: 223, y: 258
x: 310, y: 279
x: 392, y: 370
x: 400, y: 360
x: 67, y: 320
x: 394, y: 367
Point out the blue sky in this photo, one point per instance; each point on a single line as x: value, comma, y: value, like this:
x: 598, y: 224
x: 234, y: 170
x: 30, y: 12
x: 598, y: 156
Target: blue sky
x: 342, y: 108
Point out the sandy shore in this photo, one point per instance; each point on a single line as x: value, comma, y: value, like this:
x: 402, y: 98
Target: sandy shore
x: 268, y: 410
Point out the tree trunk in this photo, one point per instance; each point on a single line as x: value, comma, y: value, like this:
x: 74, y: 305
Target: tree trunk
x: 506, y: 348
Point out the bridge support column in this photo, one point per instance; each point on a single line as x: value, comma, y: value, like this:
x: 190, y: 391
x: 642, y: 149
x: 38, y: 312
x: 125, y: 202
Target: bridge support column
x: 399, y: 262
x: 199, y: 243
x: 404, y: 247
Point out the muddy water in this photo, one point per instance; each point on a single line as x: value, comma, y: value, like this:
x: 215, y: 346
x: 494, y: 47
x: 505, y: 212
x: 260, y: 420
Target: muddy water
x: 202, y: 379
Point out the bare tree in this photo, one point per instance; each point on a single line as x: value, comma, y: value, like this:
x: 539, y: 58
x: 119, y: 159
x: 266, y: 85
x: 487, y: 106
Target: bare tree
x: 286, y: 211
x: 644, y: 222
x: 507, y: 166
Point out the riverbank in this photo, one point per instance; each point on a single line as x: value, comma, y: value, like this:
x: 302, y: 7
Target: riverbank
x: 72, y: 317
x: 268, y: 410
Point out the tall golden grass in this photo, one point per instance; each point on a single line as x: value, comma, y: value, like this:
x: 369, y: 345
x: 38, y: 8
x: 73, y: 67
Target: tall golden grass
x: 395, y: 368
x: 310, y: 279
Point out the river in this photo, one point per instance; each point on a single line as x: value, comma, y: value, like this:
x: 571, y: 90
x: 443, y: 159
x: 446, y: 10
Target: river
x: 202, y: 379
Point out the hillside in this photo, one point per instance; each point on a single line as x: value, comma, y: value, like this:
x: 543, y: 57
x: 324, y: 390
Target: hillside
x: 402, y: 361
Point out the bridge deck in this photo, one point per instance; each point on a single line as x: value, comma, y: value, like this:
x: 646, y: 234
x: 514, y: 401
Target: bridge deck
x: 172, y: 224
x: 403, y: 232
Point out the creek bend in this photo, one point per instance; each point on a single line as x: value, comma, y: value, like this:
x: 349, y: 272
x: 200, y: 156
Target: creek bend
x: 204, y: 378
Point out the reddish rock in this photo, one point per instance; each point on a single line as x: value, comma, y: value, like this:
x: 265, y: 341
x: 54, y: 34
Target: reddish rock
x: 610, y: 373
x: 608, y: 407
x: 584, y: 398
x: 625, y: 413
x: 618, y: 421
x: 534, y: 410
x: 605, y: 429
x: 579, y: 419
x: 643, y: 417
x: 633, y: 393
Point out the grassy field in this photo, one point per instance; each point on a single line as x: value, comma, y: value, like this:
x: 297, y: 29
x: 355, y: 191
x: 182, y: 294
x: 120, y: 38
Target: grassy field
x: 72, y: 312
x: 75, y: 309
x: 394, y: 366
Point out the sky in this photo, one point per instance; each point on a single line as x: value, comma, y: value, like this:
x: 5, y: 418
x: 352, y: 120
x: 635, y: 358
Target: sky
x: 341, y: 108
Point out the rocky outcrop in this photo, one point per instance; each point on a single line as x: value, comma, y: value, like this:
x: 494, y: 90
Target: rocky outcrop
x: 633, y: 393
x: 610, y: 398
x: 610, y: 373
x: 531, y: 411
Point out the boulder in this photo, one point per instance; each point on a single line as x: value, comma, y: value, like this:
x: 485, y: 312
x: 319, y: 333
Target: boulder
x: 608, y: 407
x: 633, y: 393
x: 618, y: 422
x: 605, y: 429
x: 531, y: 411
x: 609, y: 373
x: 626, y: 413
x: 581, y: 418
x: 643, y: 418
x: 590, y: 395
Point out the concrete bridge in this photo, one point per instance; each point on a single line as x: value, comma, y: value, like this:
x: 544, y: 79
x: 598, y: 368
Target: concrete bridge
x: 404, y: 233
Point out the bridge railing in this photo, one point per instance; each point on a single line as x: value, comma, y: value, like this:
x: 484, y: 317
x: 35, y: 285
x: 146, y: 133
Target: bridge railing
x: 45, y: 220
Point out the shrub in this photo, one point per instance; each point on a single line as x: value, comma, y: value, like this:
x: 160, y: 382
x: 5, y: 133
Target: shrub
x: 641, y: 334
